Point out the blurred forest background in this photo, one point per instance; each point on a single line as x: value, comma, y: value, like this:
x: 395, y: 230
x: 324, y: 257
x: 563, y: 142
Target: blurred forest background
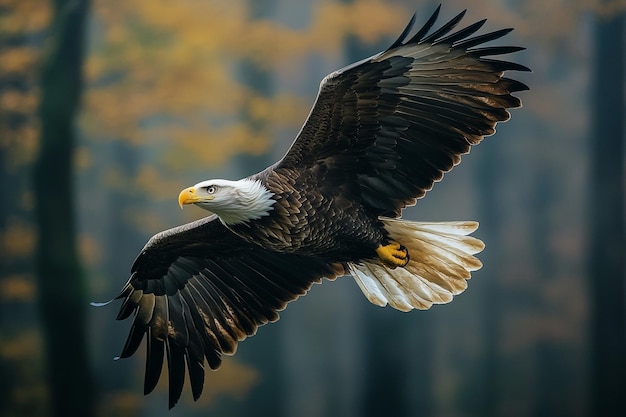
x: 109, y: 108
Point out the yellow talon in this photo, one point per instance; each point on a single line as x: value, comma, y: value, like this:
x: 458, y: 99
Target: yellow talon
x: 393, y: 254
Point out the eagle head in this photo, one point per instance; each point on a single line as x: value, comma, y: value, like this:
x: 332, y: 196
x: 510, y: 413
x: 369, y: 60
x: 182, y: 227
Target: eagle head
x: 234, y: 202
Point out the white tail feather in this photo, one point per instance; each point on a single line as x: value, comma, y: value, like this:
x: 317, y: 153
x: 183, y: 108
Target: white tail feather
x: 441, y: 261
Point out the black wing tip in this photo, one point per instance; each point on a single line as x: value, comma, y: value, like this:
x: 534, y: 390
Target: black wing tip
x: 151, y: 382
x: 149, y: 386
x: 481, y: 39
x: 402, y: 39
x: 459, y: 35
x: 171, y: 403
x: 522, y: 67
x: 515, y: 86
x: 176, y: 372
x: 443, y: 30
x: 495, y: 50
x: 427, y: 26
x: 458, y: 39
x: 460, y: 16
x: 196, y: 389
x: 507, y: 65
x: 405, y: 33
x: 503, y: 32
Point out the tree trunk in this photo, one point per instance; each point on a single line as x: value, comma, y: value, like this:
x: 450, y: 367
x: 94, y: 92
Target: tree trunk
x: 60, y: 282
x: 607, y: 220
x: 552, y: 384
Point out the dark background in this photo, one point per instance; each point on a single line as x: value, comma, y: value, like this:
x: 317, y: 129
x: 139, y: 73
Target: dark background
x: 109, y: 108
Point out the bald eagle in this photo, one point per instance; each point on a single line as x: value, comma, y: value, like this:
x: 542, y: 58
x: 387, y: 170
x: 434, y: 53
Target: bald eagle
x: 382, y: 131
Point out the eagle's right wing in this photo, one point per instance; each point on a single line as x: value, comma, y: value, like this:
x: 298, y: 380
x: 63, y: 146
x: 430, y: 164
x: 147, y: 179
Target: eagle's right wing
x: 197, y: 290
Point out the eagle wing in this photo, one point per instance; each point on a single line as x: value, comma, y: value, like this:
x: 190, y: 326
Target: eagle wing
x: 197, y: 290
x: 394, y: 123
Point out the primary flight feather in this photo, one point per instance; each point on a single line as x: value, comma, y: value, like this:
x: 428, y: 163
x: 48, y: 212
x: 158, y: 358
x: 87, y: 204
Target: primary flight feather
x: 381, y: 133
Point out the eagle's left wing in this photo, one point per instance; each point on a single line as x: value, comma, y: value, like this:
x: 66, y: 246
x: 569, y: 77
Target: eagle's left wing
x: 392, y: 125
x: 198, y: 289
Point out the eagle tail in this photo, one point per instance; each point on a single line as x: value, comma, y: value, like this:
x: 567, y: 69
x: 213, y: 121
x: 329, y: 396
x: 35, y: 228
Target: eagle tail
x: 440, y: 263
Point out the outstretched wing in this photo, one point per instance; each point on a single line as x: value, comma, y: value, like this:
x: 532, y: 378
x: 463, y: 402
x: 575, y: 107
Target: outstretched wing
x: 396, y: 122
x: 197, y: 290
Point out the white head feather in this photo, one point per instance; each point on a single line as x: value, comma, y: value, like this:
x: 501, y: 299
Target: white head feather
x: 234, y: 202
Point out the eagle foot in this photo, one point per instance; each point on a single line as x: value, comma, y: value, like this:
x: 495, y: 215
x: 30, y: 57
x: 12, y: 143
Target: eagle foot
x: 393, y: 254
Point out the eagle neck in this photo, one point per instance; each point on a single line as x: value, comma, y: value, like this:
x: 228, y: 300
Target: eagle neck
x: 252, y: 201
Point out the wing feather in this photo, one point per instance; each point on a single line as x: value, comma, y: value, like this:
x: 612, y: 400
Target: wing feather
x: 175, y: 355
x: 422, y: 32
x: 155, y: 349
x: 205, y: 327
x: 198, y: 290
x: 195, y: 348
x: 432, y: 38
x: 391, y: 125
x: 463, y: 33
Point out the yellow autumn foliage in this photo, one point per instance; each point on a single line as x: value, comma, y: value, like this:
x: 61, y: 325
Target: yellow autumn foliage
x: 89, y: 250
x: 24, y: 352
x: 151, y: 181
x: 17, y: 288
x: 17, y: 239
x: 121, y: 403
x: 21, y: 143
x: 19, y: 62
x: 26, y: 345
x: 234, y: 378
x: 167, y: 71
x: 18, y: 59
x: 23, y: 16
x: 146, y: 222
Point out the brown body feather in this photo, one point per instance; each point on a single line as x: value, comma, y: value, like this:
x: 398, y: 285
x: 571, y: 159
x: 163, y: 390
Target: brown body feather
x: 328, y: 222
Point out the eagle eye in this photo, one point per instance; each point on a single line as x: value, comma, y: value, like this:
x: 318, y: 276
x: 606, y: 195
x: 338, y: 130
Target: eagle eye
x: 211, y: 189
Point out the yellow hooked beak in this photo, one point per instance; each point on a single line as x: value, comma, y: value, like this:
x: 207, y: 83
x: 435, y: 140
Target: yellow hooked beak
x: 189, y: 196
